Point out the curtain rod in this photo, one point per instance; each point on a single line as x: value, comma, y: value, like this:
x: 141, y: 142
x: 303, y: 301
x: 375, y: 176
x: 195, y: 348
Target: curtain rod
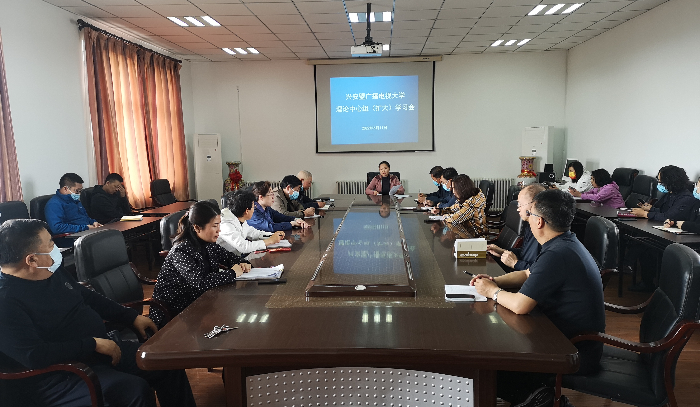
x: 82, y: 24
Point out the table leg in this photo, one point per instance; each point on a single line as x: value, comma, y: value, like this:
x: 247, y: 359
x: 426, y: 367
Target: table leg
x: 485, y: 388
x: 234, y: 384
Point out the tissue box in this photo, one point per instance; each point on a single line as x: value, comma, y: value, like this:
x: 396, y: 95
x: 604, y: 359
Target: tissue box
x: 470, y: 248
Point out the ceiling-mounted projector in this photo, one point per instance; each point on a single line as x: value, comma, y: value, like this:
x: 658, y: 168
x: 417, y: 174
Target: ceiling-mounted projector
x: 369, y: 48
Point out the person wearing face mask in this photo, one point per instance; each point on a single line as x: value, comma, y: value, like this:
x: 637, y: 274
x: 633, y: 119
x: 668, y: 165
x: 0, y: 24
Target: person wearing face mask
x: 691, y: 225
x: 446, y: 184
x: 578, y: 179
x: 48, y: 318
x: 384, y: 182
x: 306, y: 179
x: 441, y: 195
x: 195, y: 263
x: 236, y: 235
x: 64, y: 213
x: 286, y: 198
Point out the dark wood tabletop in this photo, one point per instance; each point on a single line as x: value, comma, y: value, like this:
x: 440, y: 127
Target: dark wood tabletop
x: 167, y: 209
x: 646, y: 227
x: 125, y: 226
x: 588, y: 209
x: 279, y: 328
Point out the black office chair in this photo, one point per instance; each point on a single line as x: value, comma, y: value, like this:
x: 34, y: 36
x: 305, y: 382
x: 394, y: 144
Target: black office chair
x: 102, y: 261
x: 86, y: 199
x: 13, y: 210
x: 643, y: 373
x: 624, y: 178
x: 510, y: 235
x: 226, y: 198
x: 488, y: 189
x: 644, y: 188
x: 162, y: 195
x: 168, y: 230
x: 601, y: 240
x: 373, y: 174
x: 37, y: 205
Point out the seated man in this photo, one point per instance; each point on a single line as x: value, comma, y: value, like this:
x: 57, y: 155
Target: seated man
x: 564, y: 283
x: 440, y: 194
x: 48, y: 318
x: 236, y: 235
x: 446, y: 184
x: 306, y: 179
x: 286, y: 197
x: 522, y: 258
x: 64, y: 213
x: 267, y: 219
x: 109, y: 201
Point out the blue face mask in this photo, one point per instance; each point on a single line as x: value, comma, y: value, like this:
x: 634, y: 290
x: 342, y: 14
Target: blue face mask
x: 696, y: 194
x: 302, y: 187
x: 444, y: 186
x: 294, y: 195
x: 437, y: 184
x: 661, y: 188
x: 57, y: 258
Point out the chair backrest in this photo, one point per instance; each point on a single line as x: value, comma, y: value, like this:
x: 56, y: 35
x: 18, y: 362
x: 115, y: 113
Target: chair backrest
x: 644, y: 188
x: 102, y: 260
x: 624, y: 178
x: 513, y: 192
x: 37, y: 205
x: 226, y: 199
x: 675, y: 299
x: 86, y: 199
x: 13, y: 210
x: 512, y: 229
x: 161, y: 193
x: 373, y: 174
x: 601, y: 239
x: 487, y: 188
x: 168, y: 228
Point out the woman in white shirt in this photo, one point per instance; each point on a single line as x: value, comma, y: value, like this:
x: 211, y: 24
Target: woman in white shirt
x: 579, y: 179
x: 236, y: 235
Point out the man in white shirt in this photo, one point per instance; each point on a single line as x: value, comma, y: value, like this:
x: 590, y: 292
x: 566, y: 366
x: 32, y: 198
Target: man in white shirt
x: 236, y: 235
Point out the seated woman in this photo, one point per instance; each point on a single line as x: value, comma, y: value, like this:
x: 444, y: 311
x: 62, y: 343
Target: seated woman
x: 693, y: 223
x: 384, y: 182
x: 237, y: 235
x: 267, y: 219
x: 605, y: 190
x: 470, y: 206
x: 192, y: 265
x: 579, y: 179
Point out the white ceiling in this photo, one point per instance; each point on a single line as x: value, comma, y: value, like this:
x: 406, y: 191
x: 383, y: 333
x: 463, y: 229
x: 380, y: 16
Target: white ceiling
x: 316, y: 29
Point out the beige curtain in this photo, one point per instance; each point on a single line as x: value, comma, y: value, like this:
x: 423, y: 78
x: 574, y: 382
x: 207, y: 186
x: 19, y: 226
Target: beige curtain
x: 10, y: 185
x: 136, y: 113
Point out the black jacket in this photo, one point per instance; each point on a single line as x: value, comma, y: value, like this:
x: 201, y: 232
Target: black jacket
x: 106, y: 207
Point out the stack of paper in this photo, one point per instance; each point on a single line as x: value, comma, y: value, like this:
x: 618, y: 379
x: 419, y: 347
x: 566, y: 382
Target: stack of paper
x: 401, y: 196
x: 453, y: 292
x: 131, y: 217
x: 435, y: 217
x: 263, y: 273
x: 281, y: 243
x: 408, y: 208
x: 673, y: 230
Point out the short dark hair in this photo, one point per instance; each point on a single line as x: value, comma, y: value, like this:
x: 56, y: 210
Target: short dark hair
x: 69, y: 179
x: 113, y: 177
x: 578, y: 168
x: 200, y: 214
x: 18, y: 238
x: 436, y: 172
x: 261, y: 188
x: 602, y: 177
x: 449, y: 173
x: 240, y: 202
x: 384, y: 162
x: 290, y: 180
x: 674, y: 178
x: 556, y: 207
x: 464, y: 187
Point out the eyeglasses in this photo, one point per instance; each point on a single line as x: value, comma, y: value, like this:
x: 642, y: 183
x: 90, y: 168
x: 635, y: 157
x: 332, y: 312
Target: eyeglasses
x: 534, y: 214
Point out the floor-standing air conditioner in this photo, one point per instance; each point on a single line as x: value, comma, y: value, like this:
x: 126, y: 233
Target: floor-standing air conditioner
x: 207, y: 166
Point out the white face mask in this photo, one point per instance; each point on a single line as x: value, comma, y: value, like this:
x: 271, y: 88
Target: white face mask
x: 57, y: 258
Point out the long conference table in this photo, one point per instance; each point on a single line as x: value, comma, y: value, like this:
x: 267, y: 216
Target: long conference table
x: 361, y: 319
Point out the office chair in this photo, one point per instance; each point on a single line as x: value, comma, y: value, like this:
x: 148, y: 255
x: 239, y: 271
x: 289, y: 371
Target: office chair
x: 37, y: 205
x: 601, y: 239
x: 13, y: 210
x: 624, y: 178
x: 487, y: 188
x: 644, y: 188
x: 373, y: 174
x: 162, y: 194
x: 510, y: 235
x: 168, y: 230
x: 643, y: 373
x: 86, y: 199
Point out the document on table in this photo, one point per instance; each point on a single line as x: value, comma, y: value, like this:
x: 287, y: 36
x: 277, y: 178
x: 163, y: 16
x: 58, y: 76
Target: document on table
x: 267, y: 273
x: 325, y: 208
x: 131, y: 218
x: 281, y: 243
x: 675, y: 231
x: 312, y: 216
x: 435, y: 217
x: 462, y: 293
x: 401, y: 196
x: 408, y: 208
x: 426, y: 208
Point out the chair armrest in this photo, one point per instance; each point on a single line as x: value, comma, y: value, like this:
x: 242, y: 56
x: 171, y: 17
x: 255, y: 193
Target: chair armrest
x: 80, y: 369
x: 151, y: 302
x: 635, y: 309
x: 86, y: 285
x: 60, y: 235
x: 676, y: 335
x: 164, y: 253
x: 142, y: 279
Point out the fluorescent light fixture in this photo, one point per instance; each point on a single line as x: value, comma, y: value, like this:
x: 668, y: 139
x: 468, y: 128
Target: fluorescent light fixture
x: 230, y: 51
x: 241, y: 51
x: 385, y: 47
x: 554, y: 9
x: 572, y: 8
x: 178, y: 21
x: 523, y: 42
x: 354, y: 18
x: 211, y: 21
x: 386, y: 16
x: 253, y: 51
x: 194, y: 21
x: 497, y: 43
x: 511, y: 42
x: 372, y: 18
x: 537, y: 9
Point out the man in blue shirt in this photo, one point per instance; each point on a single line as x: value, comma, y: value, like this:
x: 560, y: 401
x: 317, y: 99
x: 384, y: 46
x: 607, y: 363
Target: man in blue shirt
x: 64, y: 213
x: 446, y: 184
x: 437, y: 196
x: 48, y: 318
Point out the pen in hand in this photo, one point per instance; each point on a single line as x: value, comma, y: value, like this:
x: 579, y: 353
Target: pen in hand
x: 468, y: 273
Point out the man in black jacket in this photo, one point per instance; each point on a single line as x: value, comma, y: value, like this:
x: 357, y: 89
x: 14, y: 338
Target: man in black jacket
x: 109, y: 201
x: 48, y: 318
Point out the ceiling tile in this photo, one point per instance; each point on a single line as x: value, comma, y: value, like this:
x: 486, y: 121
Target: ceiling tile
x: 416, y: 15
x: 258, y: 37
x: 146, y: 22
x: 168, y: 30
x: 182, y: 39
x: 451, y: 14
x: 581, y: 17
x: 269, y: 44
x: 489, y: 30
x: 551, y: 19
x: 569, y: 27
x: 643, y: 5
x: 466, y: 4
x: 201, y: 31
x: 302, y: 43
x: 289, y: 28
x: 176, y: 10
x: 497, y: 21
x: 413, y: 25
x: 625, y: 15
x: 263, y: 9
x: 225, y: 10
x: 320, y: 7
x: 68, y: 3
x: 100, y: 3
x: 605, y: 25
x: 602, y: 7
x: 296, y: 36
x: 512, y: 11
x: 334, y: 35
x: 436, y: 32
x: 130, y: 11
x: 260, y: 29
x: 299, y: 48
x: 224, y: 40
x: 424, y: 32
x: 159, y: 2
x: 457, y: 23
x: 529, y: 28
x: 237, y: 20
x: 328, y: 18
x: 482, y: 37
x: 88, y: 11
x: 282, y: 19
x: 330, y: 27
x: 418, y: 5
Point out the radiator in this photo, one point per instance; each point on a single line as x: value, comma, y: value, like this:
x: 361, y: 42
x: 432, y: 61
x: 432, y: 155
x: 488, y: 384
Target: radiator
x: 358, y: 187
x: 500, y: 197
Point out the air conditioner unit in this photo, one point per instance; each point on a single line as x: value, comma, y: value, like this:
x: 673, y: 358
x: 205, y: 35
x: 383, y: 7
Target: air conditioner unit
x: 207, y: 166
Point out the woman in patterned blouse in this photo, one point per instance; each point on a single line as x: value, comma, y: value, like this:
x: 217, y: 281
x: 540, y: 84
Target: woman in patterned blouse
x: 469, y: 210
x: 192, y: 265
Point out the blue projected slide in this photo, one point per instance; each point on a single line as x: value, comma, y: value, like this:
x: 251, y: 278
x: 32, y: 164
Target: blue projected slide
x: 370, y: 110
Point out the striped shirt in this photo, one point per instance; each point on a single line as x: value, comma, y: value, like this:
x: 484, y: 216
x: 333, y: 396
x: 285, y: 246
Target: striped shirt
x: 470, y: 212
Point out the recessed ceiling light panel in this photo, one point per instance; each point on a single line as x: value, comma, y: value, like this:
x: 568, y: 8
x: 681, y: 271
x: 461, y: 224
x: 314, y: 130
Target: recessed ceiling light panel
x: 229, y: 51
x: 554, y: 9
x: 178, y: 21
x: 253, y: 51
x: 241, y: 51
x: 497, y: 43
x: 572, y: 8
x: 194, y: 21
x: 537, y: 9
x: 211, y: 21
